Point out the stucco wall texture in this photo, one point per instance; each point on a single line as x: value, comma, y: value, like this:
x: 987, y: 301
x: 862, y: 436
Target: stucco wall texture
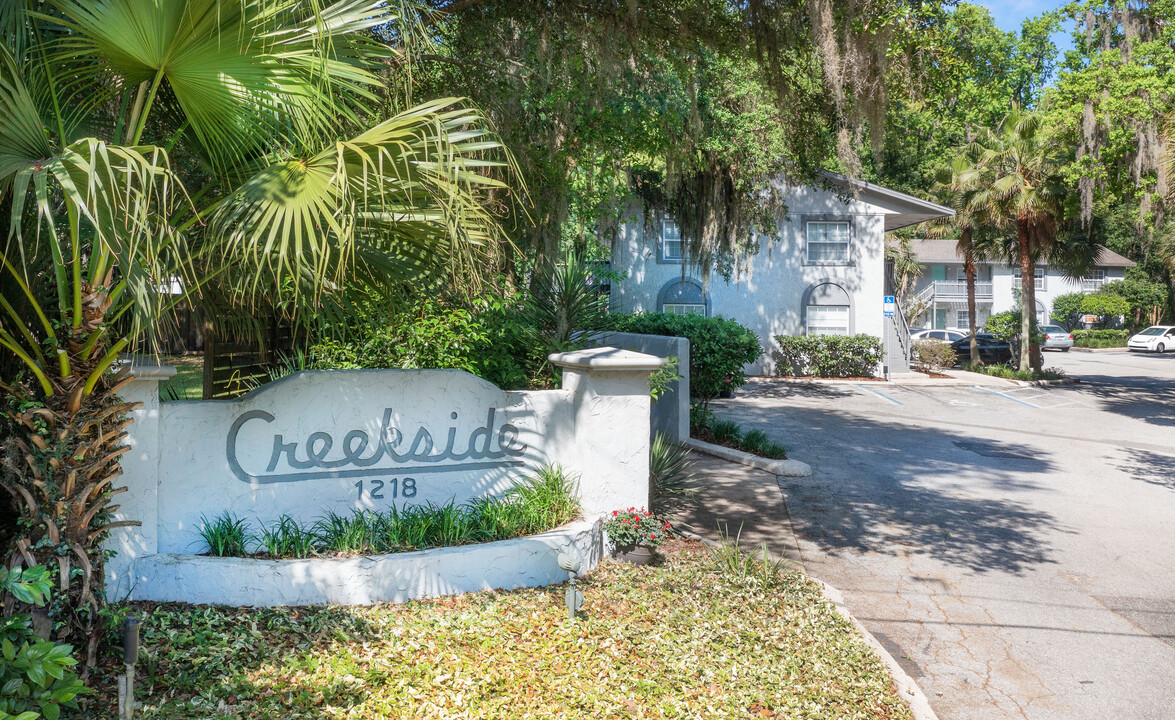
x: 321, y: 441
x: 767, y: 294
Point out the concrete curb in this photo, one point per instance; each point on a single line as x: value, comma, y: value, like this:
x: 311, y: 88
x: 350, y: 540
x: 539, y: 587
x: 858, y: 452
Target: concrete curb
x: 908, y: 689
x: 1100, y: 350
x: 820, y: 380
x: 1046, y: 383
x: 787, y: 468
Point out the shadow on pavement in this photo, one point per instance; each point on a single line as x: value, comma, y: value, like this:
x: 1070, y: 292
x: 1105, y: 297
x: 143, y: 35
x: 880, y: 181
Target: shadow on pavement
x: 889, y: 488
x: 1149, y: 398
x: 1151, y: 467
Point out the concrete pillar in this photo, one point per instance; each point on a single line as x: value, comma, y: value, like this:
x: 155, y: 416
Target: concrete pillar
x: 610, y: 407
x: 140, y: 469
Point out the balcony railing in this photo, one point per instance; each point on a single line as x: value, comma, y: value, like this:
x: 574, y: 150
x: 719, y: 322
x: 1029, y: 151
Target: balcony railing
x: 954, y: 289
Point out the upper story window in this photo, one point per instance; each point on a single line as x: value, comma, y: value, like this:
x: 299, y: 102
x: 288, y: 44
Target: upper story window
x: 671, y: 248
x: 828, y: 241
x: 1093, y: 280
x: 1038, y: 277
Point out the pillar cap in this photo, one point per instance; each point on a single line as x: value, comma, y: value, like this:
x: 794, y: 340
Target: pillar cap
x: 606, y: 359
x: 147, y: 368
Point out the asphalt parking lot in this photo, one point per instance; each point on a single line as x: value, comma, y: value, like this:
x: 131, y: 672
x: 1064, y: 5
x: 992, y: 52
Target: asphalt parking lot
x: 1012, y: 547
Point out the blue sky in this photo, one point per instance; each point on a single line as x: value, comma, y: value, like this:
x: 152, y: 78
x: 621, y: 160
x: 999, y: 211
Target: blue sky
x: 1009, y: 14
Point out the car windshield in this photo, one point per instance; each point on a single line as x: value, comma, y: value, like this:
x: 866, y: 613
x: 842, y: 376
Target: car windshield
x: 1052, y: 329
x: 1152, y: 331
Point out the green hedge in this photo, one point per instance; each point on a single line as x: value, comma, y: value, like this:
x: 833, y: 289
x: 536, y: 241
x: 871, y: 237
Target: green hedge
x: 718, y: 347
x: 1100, y: 338
x: 1103, y: 334
x: 487, y: 339
x: 830, y: 356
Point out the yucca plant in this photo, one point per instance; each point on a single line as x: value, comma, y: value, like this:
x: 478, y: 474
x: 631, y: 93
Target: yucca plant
x: 221, y: 147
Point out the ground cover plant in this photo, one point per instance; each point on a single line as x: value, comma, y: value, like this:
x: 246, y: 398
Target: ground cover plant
x: 704, y: 425
x: 537, y: 504
x: 1008, y: 373
x: 829, y: 356
x: 682, y: 639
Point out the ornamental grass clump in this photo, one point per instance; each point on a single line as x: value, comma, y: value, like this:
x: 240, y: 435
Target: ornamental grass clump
x: 225, y: 535
x: 536, y: 504
x: 636, y: 528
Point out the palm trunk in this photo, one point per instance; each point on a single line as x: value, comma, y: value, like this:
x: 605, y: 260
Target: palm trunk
x: 61, y: 466
x: 1027, y: 295
x: 969, y: 271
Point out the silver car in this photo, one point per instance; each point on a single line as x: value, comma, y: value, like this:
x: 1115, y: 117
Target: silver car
x: 1056, y: 338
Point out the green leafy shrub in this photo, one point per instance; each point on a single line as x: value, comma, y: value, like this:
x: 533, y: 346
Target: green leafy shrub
x: 719, y: 347
x: 1100, y: 338
x: 636, y: 528
x: 1067, y: 310
x: 1009, y: 373
x: 700, y: 418
x: 933, y: 355
x: 1107, y: 306
x: 1006, y: 326
x: 829, y: 356
x: 488, y: 340
x: 36, y: 676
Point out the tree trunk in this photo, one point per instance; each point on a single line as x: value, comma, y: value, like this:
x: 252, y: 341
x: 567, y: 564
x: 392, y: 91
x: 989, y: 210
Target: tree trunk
x: 969, y: 270
x: 1027, y: 295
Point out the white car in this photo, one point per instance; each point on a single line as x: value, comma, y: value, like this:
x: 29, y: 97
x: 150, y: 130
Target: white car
x: 947, y: 336
x: 1156, y: 338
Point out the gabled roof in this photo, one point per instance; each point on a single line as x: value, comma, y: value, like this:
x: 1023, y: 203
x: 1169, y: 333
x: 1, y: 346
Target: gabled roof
x: 1108, y: 258
x: 936, y: 251
x: 901, y: 210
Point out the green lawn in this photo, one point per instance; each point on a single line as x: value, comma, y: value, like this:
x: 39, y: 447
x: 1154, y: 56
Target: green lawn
x: 676, y: 640
x: 188, y: 383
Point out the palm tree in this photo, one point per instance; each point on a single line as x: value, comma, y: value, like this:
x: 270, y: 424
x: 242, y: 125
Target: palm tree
x: 960, y: 182
x: 224, y: 145
x: 1022, y: 185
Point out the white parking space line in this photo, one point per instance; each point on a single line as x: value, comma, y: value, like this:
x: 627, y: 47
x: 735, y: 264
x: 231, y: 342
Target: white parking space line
x: 1009, y: 397
x: 887, y: 397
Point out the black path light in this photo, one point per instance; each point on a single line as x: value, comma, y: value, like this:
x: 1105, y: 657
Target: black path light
x: 573, y: 596
x: 130, y: 656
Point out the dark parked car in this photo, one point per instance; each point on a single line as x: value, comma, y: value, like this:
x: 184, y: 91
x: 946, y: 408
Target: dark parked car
x: 991, y: 349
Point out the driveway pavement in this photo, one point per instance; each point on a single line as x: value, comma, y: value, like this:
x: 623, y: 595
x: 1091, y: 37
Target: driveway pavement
x: 1013, y: 548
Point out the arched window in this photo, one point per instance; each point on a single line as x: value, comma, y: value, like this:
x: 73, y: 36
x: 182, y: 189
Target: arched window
x: 683, y: 297
x: 827, y: 310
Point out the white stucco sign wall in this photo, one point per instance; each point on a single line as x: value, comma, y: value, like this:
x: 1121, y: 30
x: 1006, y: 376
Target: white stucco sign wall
x: 338, y: 441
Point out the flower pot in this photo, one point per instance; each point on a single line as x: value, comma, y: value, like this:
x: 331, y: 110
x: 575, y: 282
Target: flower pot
x: 635, y: 554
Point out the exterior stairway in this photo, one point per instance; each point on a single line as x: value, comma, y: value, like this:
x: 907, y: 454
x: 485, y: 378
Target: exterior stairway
x: 897, y: 342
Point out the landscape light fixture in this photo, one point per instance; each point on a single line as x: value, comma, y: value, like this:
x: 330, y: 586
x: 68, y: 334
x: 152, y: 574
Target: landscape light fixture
x: 130, y: 656
x: 573, y: 596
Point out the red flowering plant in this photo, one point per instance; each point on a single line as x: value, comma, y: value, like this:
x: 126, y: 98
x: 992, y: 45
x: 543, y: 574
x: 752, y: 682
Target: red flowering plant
x: 635, y: 527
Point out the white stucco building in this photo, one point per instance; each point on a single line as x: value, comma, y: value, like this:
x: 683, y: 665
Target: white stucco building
x: 822, y: 273
x: 942, y: 288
